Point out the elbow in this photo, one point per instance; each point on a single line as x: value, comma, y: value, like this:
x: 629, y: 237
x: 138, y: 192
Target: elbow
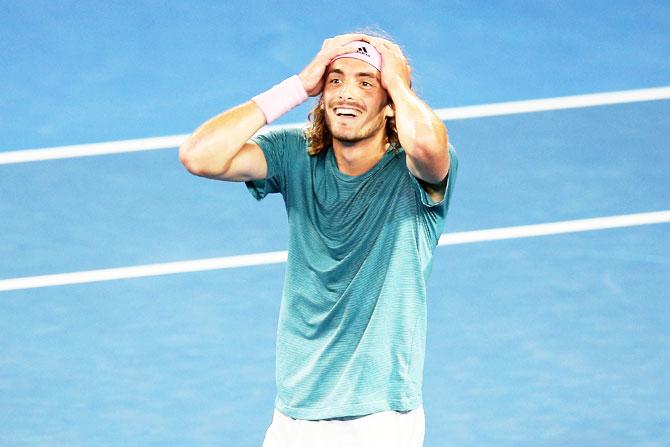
x: 199, y: 162
x: 185, y: 156
x: 188, y: 158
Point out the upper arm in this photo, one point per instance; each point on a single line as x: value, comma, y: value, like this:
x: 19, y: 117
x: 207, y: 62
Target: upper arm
x: 248, y: 164
x: 432, y: 172
x: 220, y: 148
x: 428, y: 158
x: 437, y: 191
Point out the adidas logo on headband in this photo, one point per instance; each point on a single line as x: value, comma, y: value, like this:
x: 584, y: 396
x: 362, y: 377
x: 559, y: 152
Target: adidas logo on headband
x: 366, y: 53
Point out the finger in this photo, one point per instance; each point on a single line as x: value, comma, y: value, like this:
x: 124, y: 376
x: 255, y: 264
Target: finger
x: 377, y: 41
x: 343, y: 39
x: 386, y: 46
x: 381, y: 45
x: 397, y: 49
x: 338, y: 51
x: 351, y: 37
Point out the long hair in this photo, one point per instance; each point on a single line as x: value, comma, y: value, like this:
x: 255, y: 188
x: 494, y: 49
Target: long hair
x: 317, y: 133
x: 319, y: 136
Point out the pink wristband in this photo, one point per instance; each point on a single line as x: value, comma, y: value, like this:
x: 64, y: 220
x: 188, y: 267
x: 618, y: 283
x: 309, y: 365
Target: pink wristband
x: 281, y: 98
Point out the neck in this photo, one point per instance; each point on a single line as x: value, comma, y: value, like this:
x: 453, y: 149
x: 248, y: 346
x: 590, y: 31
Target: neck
x: 359, y: 157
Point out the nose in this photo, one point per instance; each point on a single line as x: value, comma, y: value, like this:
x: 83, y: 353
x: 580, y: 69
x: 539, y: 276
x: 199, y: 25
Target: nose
x: 344, y: 91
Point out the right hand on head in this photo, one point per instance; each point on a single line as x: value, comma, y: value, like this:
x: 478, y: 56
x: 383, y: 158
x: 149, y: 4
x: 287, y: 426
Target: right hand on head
x: 312, y: 75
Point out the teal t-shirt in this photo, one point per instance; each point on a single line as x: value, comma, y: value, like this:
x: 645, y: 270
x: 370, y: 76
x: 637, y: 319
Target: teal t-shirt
x: 352, y: 322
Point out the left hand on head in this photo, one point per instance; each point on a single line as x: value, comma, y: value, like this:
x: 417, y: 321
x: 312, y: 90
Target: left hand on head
x: 396, y: 72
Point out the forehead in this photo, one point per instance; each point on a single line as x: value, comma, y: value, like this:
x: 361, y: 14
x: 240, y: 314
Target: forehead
x: 354, y: 67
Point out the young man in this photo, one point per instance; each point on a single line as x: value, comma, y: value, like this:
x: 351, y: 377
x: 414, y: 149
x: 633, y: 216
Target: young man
x: 366, y: 189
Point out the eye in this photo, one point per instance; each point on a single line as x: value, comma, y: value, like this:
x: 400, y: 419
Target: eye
x: 334, y: 81
x: 366, y: 84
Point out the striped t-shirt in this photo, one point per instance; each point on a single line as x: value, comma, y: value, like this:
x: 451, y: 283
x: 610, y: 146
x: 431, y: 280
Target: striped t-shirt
x: 352, y: 322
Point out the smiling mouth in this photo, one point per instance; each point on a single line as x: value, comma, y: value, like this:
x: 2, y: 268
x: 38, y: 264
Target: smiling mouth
x: 346, y: 112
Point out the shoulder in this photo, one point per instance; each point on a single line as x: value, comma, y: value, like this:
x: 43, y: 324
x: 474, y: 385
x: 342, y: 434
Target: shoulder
x: 288, y: 137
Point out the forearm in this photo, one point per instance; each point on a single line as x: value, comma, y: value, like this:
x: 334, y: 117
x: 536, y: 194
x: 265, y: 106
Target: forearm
x: 422, y: 135
x: 212, y: 146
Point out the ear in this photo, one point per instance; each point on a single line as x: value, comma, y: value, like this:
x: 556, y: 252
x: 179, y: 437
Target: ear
x: 389, y: 110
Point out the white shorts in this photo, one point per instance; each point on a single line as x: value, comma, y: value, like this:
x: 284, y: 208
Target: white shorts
x: 388, y: 429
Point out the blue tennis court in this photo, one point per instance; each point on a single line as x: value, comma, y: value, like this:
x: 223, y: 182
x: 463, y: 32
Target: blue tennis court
x: 553, y: 340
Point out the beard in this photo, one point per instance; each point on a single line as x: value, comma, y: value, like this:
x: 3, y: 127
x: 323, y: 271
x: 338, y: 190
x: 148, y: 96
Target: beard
x: 354, y: 132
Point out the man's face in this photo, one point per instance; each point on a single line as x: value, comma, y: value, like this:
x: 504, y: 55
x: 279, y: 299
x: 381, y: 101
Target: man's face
x: 354, y: 100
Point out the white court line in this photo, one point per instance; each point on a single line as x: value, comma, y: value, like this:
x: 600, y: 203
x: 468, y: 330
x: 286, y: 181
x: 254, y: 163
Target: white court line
x: 566, y: 226
x: 560, y: 103
x: 277, y: 257
x: 454, y: 113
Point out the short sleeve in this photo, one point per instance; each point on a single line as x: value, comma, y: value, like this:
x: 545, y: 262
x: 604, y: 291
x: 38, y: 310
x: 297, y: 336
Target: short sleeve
x: 432, y: 214
x: 276, y: 145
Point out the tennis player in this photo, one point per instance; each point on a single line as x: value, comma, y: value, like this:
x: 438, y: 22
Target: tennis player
x: 366, y: 188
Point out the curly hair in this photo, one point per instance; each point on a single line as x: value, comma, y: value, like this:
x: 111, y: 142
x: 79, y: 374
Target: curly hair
x: 317, y: 133
x: 319, y: 136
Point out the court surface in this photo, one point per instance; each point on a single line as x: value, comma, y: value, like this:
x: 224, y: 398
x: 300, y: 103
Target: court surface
x: 551, y: 340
